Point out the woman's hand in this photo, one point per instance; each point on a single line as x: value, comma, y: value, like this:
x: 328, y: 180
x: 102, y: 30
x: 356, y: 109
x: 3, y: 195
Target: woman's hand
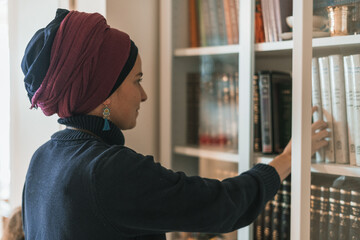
x: 282, y: 163
x: 318, y: 135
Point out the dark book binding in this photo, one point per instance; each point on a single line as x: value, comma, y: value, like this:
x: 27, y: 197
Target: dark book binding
x: 256, y: 110
x: 192, y: 108
x: 275, y: 90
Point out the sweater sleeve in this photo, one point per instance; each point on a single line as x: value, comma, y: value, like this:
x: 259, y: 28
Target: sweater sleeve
x: 135, y: 194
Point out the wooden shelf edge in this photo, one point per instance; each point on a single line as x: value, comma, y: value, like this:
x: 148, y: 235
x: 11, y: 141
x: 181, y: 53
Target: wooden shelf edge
x: 281, y: 46
x: 336, y: 169
x: 213, y: 50
x: 326, y: 168
x: 207, y: 153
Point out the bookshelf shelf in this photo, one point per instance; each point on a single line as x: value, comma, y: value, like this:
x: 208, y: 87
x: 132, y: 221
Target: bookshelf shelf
x: 336, y: 169
x: 200, y: 51
x: 207, y: 153
x: 333, y: 169
x: 272, y: 48
x: 341, y: 41
x: 295, y: 56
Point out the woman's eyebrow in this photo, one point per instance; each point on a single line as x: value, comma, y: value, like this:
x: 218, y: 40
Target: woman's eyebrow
x: 139, y: 74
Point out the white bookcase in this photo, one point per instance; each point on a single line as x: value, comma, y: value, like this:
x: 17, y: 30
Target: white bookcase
x: 176, y: 58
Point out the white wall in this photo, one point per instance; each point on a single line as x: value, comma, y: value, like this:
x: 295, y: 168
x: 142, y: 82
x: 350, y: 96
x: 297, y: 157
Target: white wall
x: 140, y: 19
x: 28, y: 128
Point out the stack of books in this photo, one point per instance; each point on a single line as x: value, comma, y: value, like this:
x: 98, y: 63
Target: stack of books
x: 212, y: 110
x: 213, y: 22
x: 336, y: 93
x: 274, y: 221
x: 270, y: 20
x: 334, y: 210
x: 272, y: 99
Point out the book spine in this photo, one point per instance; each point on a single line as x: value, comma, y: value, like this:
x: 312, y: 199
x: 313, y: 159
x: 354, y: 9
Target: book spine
x: 265, y: 15
x: 226, y: 110
x: 193, y: 24
x: 326, y: 106
x: 192, y: 102
x: 337, y: 87
x: 334, y: 211
x: 349, y: 95
x: 221, y: 22
x: 285, y: 111
x: 234, y: 111
x: 258, y: 227
x: 265, y: 113
x: 259, y: 23
x: 285, y: 209
x: 267, y: 221
x: 202, y: 22
x: 316, y: 101
x: 256, y: 105
x: 324, y: 212
x: 354, y: 232
x: 355, y: 62
x: 213, y: 23
x: 277, y: 14
x: 314, y: 211
x: 285, y: 221
x: 344, y: 216
x: 272, y: 21
x: 276, y: 216
x: 234, y: 18
x: 227, y: 13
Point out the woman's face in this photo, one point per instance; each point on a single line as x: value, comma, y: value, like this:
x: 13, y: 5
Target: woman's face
x: 125, y: 101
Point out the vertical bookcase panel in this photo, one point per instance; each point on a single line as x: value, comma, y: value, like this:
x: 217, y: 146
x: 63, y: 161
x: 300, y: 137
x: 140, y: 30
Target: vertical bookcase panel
x: 293, y: 56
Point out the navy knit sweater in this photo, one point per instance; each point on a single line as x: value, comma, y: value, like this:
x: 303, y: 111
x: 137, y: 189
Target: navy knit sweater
x: 82, y: 186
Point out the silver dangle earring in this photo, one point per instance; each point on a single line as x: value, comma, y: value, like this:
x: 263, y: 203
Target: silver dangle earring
x: 106, y: 116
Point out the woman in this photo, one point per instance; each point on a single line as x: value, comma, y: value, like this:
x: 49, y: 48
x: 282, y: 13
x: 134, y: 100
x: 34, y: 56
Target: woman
x: 84, y: 183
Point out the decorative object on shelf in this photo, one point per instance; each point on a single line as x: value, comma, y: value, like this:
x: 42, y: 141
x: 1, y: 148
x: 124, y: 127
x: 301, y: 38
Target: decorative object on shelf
x: 320, y: 28
x: 340, y: 20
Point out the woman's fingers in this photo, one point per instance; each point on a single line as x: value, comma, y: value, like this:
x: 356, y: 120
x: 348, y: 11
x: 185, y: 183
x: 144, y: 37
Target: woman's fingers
x: 322, y: 134
x: 318, y: 125
x: 314, y: 109
x: 316, y: 145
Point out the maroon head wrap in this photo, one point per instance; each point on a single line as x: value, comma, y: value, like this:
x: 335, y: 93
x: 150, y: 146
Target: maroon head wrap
x: 87, y: 57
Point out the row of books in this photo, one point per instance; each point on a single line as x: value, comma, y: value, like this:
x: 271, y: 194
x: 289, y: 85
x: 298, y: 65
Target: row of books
x: 270, y: 19
x: 274, y: 221
x: 272, y: 99
x: 336, y: 93
x: 334, y: 211
x: 213, y: 22
x: 212, y: 110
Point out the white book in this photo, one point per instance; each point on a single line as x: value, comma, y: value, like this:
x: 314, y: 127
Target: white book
x: 316, y: 101
x: 349, y: 95
x: 355, y: 62
x: 326, y: 106
x: 337, y: 87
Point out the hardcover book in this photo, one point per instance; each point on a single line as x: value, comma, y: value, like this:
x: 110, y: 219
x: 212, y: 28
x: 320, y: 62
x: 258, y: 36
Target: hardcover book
x: 337, y: 88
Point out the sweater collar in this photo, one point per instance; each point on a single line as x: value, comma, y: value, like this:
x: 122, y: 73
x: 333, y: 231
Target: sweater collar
x: 94, y: 124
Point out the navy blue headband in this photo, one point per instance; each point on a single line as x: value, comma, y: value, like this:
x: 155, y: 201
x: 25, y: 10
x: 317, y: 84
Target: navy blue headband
x: 127, y: 67
x: 36, y: 60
